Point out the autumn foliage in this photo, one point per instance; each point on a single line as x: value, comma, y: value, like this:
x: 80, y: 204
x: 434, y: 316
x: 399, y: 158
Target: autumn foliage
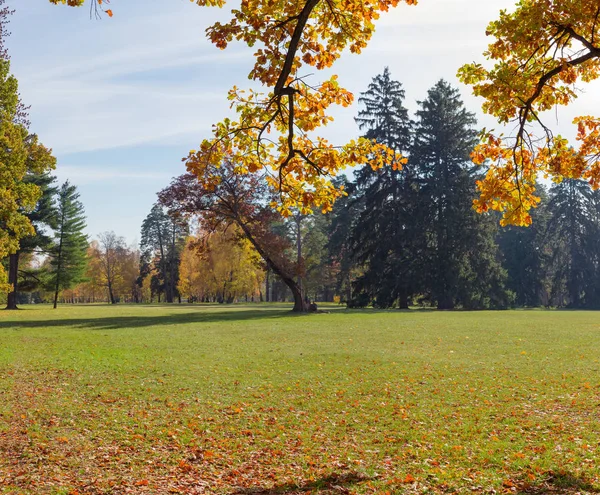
x: 274, y: 130
x: 540, y: 52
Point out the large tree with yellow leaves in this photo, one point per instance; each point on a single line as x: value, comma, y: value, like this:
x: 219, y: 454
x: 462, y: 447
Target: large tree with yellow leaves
x: 274, y: 132
x: 541, y: 51
x: 20, y: 154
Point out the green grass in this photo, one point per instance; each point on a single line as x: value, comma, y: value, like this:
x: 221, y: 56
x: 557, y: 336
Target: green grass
x: 252, y: 399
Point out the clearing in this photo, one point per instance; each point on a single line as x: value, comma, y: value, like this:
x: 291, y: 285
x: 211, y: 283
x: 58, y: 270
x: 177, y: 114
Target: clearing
x: 255, y: 400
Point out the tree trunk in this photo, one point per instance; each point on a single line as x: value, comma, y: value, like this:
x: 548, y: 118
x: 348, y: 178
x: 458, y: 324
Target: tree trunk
x: 403, y: 301
x: 299, y: 250
x: 300, y: 305
x: 446, y: 302
x: 13, y: 280
x: 59, y: 263
x: 267, y: 296
x: 111, y: 296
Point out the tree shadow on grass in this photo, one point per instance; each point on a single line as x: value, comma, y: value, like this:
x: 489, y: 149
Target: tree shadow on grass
x: 141, y: 321
x: 332, y: 484
x: 559, y: 484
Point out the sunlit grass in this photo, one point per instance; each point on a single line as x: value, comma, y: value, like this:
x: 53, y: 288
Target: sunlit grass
x: 193, y: 399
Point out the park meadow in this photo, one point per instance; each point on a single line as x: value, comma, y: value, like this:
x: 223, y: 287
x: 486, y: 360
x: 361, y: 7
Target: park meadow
x: 251, y: 263
x: 253, y: 399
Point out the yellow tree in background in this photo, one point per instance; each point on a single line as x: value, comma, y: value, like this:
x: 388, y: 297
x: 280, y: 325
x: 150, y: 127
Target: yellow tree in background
x: 220, y: 266
x: 540, y: 52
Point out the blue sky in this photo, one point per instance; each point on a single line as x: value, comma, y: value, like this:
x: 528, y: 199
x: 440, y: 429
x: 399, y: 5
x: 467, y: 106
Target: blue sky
x: 122, y: 100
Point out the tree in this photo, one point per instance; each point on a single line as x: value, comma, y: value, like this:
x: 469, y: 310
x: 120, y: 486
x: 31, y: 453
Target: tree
x: 384, y: 239
x: 540, y: 51
x: 42, y: 217
x: 161, y: 243
x: 69, y: 260
x: 574, y: 235
x: 20, y: 154
x: 108, y: 253
x: 221, y: 266
x: 274, y: 131
x: 240, y: 200
x: 526, y: 255
x: 461, y: 260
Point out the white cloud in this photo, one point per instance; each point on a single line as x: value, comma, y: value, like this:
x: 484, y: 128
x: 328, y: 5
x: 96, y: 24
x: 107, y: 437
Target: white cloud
x: 93, y: 174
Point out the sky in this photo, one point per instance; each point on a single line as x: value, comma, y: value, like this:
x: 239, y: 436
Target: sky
x: 121, y: 100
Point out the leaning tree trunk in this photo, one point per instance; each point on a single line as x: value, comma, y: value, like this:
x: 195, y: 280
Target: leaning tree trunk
x: 300, y: 305
x: 13, y: 280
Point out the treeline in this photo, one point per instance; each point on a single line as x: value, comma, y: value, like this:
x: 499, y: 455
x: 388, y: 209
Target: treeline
x: 404, y: 235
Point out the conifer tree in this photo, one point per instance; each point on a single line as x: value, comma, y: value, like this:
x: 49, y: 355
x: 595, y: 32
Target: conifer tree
x: 69, y: 258
x: 383, y: 237
x: 460, y: 264
x: 42, y: 217
x: 526, y: 253
x: 574, y: 233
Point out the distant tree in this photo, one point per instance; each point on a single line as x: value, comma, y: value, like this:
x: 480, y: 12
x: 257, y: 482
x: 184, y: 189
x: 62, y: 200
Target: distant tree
x: 461, y: 261
x: 574, y: 235
x: 109, y: 248
x: 221, y: 266
x: 68, y: 256
x: 526, y: 255
x: 43, y: 218
x: 161, y: 243
x: 241, y: 200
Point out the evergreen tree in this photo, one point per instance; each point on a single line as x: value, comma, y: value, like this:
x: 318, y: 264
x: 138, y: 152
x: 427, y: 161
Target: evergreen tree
x: 460, y: 264
x: 42, y: 217
x: 69, y: 255
x: 162, y: 241
x: 526, y: 253
x: 574, y: 233
x: 384, y: 236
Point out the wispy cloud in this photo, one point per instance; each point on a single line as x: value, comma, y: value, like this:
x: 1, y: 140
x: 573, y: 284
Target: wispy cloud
x: 86, y: 174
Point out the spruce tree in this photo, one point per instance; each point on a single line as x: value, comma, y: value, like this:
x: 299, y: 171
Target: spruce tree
x: 574, y: 233
x: 69, y: 258
x: 460, y: 264
x: 384, y: 235
x: 526, y: 252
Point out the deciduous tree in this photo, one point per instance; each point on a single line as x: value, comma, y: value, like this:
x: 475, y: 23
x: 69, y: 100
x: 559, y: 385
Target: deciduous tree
x: 274, y: 132
x: 540, y: 52
x: 241, y: 200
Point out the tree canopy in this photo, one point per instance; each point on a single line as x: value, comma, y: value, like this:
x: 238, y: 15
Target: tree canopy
x: 541, y: 51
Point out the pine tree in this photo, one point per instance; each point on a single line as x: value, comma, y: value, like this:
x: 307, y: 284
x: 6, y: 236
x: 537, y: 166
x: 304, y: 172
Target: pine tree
x: 574, y: 233
x: 460, y: 264
x: 42, y: 217
x: 69, y: 255
x: 526, y: 253
x: 384, y: 236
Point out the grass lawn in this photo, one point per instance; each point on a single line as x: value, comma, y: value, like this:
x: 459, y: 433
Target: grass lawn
x: 251, y: 399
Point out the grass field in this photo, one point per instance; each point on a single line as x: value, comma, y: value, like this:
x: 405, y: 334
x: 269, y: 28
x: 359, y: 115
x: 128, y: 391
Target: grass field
x: 251, y: 399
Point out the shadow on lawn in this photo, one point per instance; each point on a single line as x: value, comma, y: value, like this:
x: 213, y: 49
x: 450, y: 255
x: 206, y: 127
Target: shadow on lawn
x: 333, y: 484
x: 135, y: 321
x: 560, y: 484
